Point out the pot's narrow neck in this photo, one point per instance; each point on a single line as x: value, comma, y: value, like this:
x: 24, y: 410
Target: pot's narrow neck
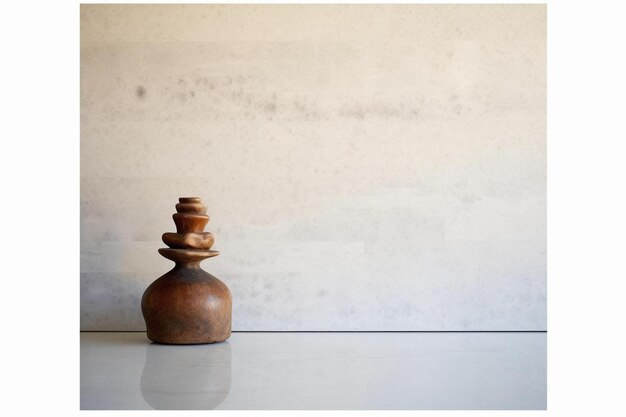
x: 188, y: 265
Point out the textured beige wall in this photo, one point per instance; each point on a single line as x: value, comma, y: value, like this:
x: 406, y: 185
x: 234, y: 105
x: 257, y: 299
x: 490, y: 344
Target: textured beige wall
x: 378, y: 167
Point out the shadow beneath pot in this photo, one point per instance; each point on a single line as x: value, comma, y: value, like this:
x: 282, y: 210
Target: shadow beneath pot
x: 186, y: 377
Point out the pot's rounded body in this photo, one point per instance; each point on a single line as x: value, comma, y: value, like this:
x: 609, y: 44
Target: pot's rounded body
x: 187, y: 306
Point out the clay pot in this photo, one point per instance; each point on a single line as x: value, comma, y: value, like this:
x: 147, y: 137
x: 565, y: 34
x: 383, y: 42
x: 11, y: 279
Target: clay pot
x: 188, y: 305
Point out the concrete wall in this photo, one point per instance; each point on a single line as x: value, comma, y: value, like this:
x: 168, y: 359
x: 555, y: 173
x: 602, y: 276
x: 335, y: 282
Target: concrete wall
x: 366, y: 167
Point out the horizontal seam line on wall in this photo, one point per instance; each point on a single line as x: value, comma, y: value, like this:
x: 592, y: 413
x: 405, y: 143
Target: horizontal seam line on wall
x: 342, y: 331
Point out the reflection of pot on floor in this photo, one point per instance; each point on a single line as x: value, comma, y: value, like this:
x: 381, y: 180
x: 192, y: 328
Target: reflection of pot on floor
x: 187, y: 377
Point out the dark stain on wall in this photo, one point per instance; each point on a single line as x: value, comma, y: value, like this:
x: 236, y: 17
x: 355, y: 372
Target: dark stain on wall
x: 244, y: 98
x: 140, y: 91
x: 270, y: 107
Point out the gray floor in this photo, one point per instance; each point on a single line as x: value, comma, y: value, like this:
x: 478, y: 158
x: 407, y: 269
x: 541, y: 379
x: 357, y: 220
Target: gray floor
x: 317, y: 371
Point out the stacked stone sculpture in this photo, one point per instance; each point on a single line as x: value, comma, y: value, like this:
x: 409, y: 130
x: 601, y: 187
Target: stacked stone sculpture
x: 188, y: 305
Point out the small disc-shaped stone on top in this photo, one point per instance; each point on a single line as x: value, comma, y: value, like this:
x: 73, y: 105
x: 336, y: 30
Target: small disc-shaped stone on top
x: 190, y: 205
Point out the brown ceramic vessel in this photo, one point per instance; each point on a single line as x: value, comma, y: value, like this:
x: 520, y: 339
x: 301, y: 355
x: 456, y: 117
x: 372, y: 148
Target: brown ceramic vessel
x: 188, y: 305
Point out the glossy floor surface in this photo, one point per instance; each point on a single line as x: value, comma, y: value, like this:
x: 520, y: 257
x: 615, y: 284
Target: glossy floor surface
x: 317, y: 371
